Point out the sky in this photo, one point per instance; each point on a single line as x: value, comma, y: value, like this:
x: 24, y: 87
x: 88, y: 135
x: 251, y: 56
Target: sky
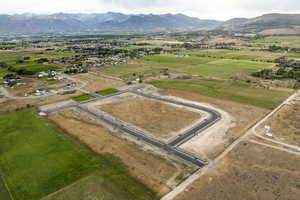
x: 204, y: 9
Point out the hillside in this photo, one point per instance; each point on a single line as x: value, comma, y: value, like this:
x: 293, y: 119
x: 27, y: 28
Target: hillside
x: 282, y: 23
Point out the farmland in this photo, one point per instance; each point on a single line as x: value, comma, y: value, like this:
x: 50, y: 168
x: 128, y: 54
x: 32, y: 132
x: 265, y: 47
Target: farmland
x: 11, y: 59
x: 35, y: 151
x: 229, y: 90
x: 221, y: 68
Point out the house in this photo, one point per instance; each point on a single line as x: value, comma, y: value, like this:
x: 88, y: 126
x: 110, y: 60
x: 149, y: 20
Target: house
x: 41, y: 74
x: 40, y: 92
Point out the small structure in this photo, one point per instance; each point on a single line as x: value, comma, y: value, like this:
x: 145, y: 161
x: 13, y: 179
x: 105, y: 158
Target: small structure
x: 41, y: 74
x: 40, y: 92
x: 267, y: 131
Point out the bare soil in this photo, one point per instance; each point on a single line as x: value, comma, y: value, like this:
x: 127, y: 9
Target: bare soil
x: 285, y: 124
x: 160, y: 119
x: 249, y: 172
x: 151, y: 170
x: 244, y: 117
x: 96, y: 83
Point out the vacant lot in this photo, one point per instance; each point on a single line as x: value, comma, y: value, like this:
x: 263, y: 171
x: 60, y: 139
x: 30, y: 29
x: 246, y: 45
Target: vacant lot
x: 285, y: 124
x: 160, y: 119
x: 140, y: 164
x: 37, y: 158
x: 228, y: 90
x: 250, y: 172
x: 96, y: 83
x: 243, y: 117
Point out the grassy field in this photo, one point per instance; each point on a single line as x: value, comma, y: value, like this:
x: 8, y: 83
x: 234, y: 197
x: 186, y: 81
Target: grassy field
x: 235, y: 55
x: 284, y: 41
x: 229, y: 90
x: 11, y: 58
x: 37, y: 159
x: 83, y: 97
x: 226, y: 68
x: 221, y: 68
x: 108, y: 91
x: 3, y: 72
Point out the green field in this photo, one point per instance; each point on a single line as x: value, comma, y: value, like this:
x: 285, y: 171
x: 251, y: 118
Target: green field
x: 3, y: 72
x: 283, y: 41
x: 108, y: 91
x: 37, y: 159
x: 226, y: 68
x: 11, y: 57
x: 220, y: 68
x: 83, y: 97
x: 228, y: 90
x: 235, y: 55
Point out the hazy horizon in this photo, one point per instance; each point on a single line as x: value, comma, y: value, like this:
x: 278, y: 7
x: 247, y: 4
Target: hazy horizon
x: 213, y: 9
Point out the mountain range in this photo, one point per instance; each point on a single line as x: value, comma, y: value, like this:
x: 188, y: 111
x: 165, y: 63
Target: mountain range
x: 118, y: 22
x: 107, y: 22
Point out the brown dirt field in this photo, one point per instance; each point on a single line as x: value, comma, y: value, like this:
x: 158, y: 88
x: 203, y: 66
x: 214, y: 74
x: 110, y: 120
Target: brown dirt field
x: 160, y: 119
x: 245, y: 116
x: 285, y: 124
x: 147, y: 168
x: 250, y: 172
x: 95, y: 83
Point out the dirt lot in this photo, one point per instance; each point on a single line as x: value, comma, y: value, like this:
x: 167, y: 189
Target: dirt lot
x: 159, y: 119
x: 95, y: 82
x: 250, y: 172
x: 156, y: 173
x: 285, y: 124
x: 244, y: 117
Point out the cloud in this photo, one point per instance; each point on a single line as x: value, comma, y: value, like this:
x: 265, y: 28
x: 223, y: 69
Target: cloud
x: 213, y: 9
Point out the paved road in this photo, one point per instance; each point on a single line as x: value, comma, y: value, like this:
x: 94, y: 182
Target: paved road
x: 141, y: 136
x: 171, y: 147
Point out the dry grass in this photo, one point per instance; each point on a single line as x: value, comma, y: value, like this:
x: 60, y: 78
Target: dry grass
x: 160, y: 119
x: 285, y: 125
x: 245, y: 116
x: 147, y: 168
x: 251, y: 172
x: 95, y: 83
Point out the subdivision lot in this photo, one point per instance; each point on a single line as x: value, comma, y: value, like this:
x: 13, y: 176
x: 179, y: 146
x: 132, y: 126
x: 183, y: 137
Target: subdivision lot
x: 249, y: 171
x: 37, y: 158
x: 238, y: 119
x: 141, y: 164
x: 96, y: 83
x: 160, y: 119
x: 285, y: 124
x: 227, y: 90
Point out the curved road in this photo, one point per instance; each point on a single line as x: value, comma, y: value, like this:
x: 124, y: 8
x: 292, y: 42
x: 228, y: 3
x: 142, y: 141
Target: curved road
x: 171, y: 147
